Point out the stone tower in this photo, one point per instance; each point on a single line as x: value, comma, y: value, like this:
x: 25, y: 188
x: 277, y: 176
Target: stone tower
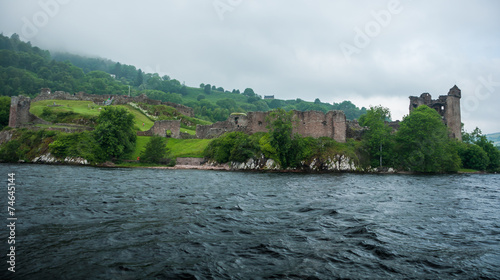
x: 452, y: 115
x: 19, y: 111
x: 448, y: 106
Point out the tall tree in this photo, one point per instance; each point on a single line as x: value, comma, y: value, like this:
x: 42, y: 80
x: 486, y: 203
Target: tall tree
x: 139, y: 80
x: 155, y: 151
x: 280, y: 128
x: 423, y: 144
x: 115, y: 132
x: 378, y: 138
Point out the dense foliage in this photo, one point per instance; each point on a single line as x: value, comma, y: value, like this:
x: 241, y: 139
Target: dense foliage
x: 115, y: 132
x: 156, y: 151
x: 378, y: 139
x: 477, y: 152
x: 4, y: 111
x: 423, y: 144
x: 287, y: 150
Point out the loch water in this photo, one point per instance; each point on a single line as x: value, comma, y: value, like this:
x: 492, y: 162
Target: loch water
x: 111, y: 223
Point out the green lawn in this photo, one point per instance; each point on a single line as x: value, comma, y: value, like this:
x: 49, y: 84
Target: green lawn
x: 79, y: 107
x: 88, y: 108
x: 177, y: 147
x: 139, y: 118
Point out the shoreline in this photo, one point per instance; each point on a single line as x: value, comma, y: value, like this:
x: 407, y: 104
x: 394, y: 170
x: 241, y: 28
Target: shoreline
x: 226, y: 167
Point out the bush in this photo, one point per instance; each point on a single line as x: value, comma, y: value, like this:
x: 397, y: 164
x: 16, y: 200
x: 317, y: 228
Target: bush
x: 156, y: 151
x: 232, y: 146
x: 77, y: 145
x: 9, y: 151
x: 473, y: 156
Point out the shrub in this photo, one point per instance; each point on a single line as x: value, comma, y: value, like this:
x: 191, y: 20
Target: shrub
x: 156, y: 151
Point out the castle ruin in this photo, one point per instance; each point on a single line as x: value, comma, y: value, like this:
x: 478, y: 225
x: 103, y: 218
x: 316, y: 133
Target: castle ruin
x: 20, y: 115
x: 310, y: 123
x: 332, y: 124
x: 448, y: 106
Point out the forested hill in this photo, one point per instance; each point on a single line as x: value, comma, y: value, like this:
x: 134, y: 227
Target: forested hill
x: 25, y: 69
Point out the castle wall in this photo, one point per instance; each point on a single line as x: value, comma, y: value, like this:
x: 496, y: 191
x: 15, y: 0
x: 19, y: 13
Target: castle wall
x: 311, y: 123
x: 20, y: 115
x: 160, y: 129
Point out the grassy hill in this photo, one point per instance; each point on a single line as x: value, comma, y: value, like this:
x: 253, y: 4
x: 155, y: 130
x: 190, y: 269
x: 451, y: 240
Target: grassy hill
x: 86, y: 112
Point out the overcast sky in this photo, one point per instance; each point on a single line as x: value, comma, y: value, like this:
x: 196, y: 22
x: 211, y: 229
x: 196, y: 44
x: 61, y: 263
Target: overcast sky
x: 368, y: 52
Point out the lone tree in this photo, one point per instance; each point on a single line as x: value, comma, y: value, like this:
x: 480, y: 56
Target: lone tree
x: 115, y: 132
x: 156, y: 151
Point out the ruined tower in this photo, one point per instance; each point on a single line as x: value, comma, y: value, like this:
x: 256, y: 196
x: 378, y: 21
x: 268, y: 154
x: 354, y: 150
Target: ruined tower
x: 20, y: 115
x: 19, y: 111
x: 448, y: 106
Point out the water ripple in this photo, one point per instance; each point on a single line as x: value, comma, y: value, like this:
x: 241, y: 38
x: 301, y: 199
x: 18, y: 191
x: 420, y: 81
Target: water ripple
x: 93, y: 223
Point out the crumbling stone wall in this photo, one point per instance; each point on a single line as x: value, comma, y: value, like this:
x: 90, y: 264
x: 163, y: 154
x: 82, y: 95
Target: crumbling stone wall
x: 20, y: 115
x: 310, y: 123
x: 448, y: 106
x: 160, y: 128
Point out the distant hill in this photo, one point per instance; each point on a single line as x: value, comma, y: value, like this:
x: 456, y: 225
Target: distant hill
x: 495, y: 137
x: 25, y: 69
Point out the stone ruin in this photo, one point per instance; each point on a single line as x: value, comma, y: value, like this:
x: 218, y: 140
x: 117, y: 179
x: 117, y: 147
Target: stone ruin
x: 310, y: 123
x: 161, y: 128
x: 316, y: 124
x: 448, y: 106
x: 20, y: 115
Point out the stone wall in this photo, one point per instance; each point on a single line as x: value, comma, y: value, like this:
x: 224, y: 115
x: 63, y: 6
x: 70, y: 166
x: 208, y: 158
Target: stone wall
x: 20, y: 115
x: 310, y: 123
x: 160, y: 129
x: 190, y: 161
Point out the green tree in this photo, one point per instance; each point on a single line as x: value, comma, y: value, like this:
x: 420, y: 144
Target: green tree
x: 378, y: 139
x: 156, y: 150
x: 232, y: 146
x: 139, y: 80
x: 115, y: 132
x: 280, y: 128
x: 476, y: 137
x: 423, y: 144
x: 207, y: 89
x: 4, y: 111
x: 473, y: 156
x: 249, y: 92
x: 10, y: 151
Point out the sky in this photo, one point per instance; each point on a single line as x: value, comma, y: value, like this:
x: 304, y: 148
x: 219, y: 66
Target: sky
x: 372, y: 53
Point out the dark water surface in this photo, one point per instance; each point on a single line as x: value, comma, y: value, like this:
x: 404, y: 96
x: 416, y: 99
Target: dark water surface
x: 94, y: 223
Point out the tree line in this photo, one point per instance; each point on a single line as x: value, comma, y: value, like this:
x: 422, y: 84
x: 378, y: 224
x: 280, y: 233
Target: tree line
x: 421, y: 144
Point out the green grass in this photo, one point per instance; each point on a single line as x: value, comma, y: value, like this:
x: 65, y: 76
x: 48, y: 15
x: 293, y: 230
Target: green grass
x: 464, y: 170
x: 187, y: 147
x: 79, y: 107
x: 139, y: 118
x: 177, y: 147
x: 88, y: 108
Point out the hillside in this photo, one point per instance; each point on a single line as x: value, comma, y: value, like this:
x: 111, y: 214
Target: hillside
x: 25, y: 69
